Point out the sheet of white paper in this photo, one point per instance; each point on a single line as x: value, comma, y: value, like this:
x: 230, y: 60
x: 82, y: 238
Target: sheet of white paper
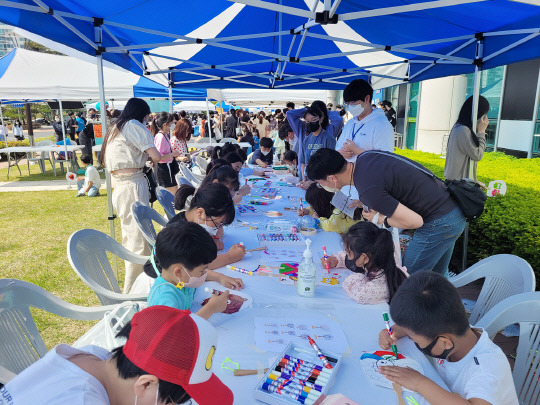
x: 282, y: 255
x: 274, y: 334
x: 372, y: 361
x: 342, y: 202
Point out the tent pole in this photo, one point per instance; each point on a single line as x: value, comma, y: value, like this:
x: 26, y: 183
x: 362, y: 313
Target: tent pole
x: 63, y: 133
x: 208, y: 121
x: 2, y: 120
x: 221, y: 115
x: 474, y: 112
x: 170, y: 94
x: 111, y: 216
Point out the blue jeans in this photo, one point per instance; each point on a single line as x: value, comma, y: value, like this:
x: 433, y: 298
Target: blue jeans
x: 433, y: 243
x: 93, y: 192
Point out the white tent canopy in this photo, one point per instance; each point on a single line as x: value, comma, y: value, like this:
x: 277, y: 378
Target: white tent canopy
x: 35, y: 75
x: 194, y: 106
x: 269, y: 98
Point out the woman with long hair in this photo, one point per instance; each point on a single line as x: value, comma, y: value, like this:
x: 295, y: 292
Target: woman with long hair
x: 181, y: 135
x: 464, y: 144
x: 126, y: 148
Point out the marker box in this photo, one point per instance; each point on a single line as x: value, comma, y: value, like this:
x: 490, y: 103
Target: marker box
x: 281, y: 225
x: 307, y: 354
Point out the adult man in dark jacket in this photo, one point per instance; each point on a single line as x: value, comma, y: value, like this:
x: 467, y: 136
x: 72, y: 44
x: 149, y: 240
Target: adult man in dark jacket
x: 230, y: 125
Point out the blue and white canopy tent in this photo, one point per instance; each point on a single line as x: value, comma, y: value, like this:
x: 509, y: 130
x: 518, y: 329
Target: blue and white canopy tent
x: 298, y: 44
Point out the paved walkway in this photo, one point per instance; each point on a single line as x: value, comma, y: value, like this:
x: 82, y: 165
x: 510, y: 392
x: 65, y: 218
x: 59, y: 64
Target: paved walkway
x: 46, y: 185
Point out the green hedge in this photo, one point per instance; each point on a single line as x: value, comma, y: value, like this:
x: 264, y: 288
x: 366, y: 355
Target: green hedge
x: 510, y: 223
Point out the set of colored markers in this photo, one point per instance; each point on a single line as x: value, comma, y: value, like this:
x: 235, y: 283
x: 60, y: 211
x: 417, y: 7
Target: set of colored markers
x: 280, y: 238
x: 295, y: 380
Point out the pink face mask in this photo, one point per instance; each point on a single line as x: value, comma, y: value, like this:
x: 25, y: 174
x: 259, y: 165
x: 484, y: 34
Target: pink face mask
x: 193, y: 282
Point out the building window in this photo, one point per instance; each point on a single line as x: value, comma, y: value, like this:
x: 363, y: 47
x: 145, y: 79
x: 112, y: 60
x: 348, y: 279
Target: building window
x: 490, y: 87
x: 536, y: 134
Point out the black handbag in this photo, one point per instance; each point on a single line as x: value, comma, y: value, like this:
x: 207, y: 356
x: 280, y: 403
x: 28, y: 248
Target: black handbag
x: 469, y: 196
x: 466, y: 192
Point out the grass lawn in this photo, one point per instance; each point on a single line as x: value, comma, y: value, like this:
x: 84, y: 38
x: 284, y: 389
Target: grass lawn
x: 36, y: 227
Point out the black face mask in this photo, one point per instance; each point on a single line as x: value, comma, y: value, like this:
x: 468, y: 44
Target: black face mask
x: 351, y: 265
x: 427, y: 350
x: 313, y: 126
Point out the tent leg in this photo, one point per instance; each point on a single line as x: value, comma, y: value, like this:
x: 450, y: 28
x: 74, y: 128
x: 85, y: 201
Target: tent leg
x: 170, y: 99
x: 2, y: 121
x: 111, y: 215
x: 208, y: 121
x: 474, y: 112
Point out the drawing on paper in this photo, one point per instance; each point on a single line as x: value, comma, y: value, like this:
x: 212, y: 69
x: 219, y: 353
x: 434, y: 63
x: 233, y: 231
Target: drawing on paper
x: 372, y: 361
x: 327, y: 333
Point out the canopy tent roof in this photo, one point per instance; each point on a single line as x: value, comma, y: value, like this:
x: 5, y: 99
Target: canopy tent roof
x: 271, y: 98
x: 28, y: 75
x: 290, y: 43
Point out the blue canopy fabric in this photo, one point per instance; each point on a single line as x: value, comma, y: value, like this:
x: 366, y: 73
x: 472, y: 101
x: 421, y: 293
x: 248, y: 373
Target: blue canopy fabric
x: 146, y: 88
x: 224, y: 44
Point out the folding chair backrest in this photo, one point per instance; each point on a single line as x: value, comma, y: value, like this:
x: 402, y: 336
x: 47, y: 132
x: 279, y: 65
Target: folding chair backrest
x: 201, y: 162
x: 87, y: 253
x: 186, y: 173
x: 166, y: 199
x: 145, y: 217
x: 505, y: 275
x: 523, y: 309
x: 45, y: 155
x: 20, y: 342
x: 181, y: 179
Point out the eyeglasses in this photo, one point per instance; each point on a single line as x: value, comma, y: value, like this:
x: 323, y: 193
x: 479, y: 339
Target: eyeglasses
x: 214, y: 222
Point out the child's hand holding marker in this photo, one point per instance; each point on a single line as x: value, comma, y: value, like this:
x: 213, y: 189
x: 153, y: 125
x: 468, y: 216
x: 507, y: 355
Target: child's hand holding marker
x: 332, y: 261
x: 386, y: 341
x: 236, y: 252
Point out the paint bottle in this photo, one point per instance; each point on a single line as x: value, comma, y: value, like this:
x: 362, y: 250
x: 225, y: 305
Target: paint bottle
x: 307, y: 273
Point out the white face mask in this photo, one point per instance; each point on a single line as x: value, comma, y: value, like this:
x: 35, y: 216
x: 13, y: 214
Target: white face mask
x: 194, y: 282
x: 331, y: 189
x: 212, y: 231
x: 355, y: 110
x: 157, y: 395
x: 265, y: 152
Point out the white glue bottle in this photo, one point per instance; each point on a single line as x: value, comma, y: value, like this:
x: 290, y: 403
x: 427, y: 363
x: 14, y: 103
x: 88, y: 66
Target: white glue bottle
x: 307, y: 273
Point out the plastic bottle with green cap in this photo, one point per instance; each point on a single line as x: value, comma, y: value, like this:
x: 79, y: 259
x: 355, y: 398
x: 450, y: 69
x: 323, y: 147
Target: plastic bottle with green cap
x: 307, y: 273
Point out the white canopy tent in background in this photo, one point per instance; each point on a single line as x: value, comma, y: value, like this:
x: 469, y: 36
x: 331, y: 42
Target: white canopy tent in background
x: 266, y: 98
x: 191, y: 106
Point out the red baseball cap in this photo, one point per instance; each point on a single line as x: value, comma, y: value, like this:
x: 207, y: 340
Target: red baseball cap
x: 178, y: 347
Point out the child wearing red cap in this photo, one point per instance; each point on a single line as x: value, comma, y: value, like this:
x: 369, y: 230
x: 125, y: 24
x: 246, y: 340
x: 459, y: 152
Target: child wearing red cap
x: 167, y: 359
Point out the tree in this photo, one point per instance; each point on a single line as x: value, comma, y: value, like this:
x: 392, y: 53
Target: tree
x: 34, y: 46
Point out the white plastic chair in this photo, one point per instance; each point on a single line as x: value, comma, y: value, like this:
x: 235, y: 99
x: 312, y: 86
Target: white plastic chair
x: 505, y: 275
x: 65, y: 160
x: 20, y: 342
x: 87, y: 253
x: 166, y: 199
x: 249, y: 157
x: 523, y: 309
x: 43, y: 156
x: 145, y: 217
x: 189, y: 176
x: 201, y: 163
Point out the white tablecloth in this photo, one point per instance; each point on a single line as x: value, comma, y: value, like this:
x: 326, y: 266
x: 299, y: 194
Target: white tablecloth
x: 361, y: 323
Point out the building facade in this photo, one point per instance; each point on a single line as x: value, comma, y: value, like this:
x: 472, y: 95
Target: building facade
x: 9, y: 40
x: 426, y: 111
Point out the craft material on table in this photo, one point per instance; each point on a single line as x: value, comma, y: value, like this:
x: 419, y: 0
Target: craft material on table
x: 256, y: 249
x: 386, y: 319
x: 265, y: 192
x: 308, y: 231
x: 238, y: 300
x: 325, y: 254
x: 297, y: 377
x: 273, y: 334
x: 280, y: 238
x: 342, y: 202
x: 281, y: 225
x: 258, y: 202
x: 398, y: 389
x: 371, y: 361
x: 332, y: 279
x: 244, y: 209
x: 319, y: 353
x: 261, y: 183
x: 240, y: 270
x: 281, y: 255
x: 273, y: 214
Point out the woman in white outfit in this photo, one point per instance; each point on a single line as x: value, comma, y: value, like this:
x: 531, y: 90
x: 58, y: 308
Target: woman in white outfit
x: 126, y: 149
